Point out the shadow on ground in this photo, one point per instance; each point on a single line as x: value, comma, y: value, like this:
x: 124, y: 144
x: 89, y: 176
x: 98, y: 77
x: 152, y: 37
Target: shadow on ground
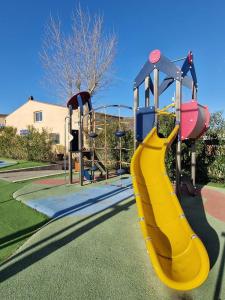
x: 10, y: 267
x: 19, y: 235
x: 219, y: 280
x: 192, y: 206
x: 195, y: 214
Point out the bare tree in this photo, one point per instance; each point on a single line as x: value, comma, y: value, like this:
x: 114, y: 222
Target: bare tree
x: 80, y: 60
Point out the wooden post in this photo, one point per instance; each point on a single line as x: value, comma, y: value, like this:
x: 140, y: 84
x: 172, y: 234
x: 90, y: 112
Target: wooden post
x: 147, y: 91
x: 178, y: 120
x: 136, y: 104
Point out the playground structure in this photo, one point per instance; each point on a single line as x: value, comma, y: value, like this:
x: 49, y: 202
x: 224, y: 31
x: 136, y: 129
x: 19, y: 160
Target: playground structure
x: 177, y: 254
x: 94, y: 122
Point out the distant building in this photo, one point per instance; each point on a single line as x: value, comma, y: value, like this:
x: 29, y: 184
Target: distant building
x: 52, y: 117
x: 41, y: 115
x: 2, y: 120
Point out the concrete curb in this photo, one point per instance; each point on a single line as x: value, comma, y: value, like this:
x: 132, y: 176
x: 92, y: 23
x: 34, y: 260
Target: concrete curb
x: 37, y: 177
x: 37, y: 168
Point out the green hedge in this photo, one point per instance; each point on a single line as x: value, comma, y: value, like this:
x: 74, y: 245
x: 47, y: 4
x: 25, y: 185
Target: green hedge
x: 210, y: 151
x: 35, y: 146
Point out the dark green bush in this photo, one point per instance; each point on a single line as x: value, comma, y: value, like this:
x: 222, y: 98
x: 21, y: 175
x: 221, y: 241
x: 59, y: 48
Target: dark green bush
x: 7, y: 141
x: 35, y: 146
x: 210, y: 150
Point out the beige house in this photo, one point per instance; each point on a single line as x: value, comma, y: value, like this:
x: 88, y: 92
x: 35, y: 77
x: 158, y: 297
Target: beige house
x: 42, y: 115
x: 52, y: 117
x: 2, y: 120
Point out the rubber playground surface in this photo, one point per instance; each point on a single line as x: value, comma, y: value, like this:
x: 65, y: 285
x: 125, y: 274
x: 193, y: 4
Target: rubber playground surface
x: 94, y: 248
x: 6, y: 163
x: 68, y: 201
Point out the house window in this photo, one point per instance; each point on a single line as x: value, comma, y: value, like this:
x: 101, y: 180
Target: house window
x: 24, y: 132
x: 55, y: 138
x: 38, y: 116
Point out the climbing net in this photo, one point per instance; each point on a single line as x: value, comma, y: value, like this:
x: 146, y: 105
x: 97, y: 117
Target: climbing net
x: 108, y: 141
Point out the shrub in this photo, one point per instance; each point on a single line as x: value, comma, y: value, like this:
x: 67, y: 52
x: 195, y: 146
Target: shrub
x: 35, y: 146
x: 210, y: 150
x: 165, y: 126
x: 7, y: 141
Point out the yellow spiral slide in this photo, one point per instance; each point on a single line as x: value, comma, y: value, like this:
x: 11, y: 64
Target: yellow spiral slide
x: 177, y: 254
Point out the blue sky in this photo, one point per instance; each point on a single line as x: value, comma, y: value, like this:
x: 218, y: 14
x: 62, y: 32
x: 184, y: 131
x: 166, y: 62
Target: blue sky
x: 175, y: 27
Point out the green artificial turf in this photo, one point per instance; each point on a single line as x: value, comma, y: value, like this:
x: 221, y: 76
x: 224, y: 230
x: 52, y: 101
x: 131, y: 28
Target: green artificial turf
x: 19, y: 164
x: 17, y: 221
x: 215, y: 184
x: 101, y: 256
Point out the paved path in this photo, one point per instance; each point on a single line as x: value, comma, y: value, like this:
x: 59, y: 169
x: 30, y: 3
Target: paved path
x: 215, y: 202
x: 26, y: 175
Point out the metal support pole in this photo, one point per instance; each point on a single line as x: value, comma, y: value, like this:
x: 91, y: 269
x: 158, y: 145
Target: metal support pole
x: 85, y: 126
x: 65, y: 146
x: 193, y: 163
x: 194, y: 91
x: 105, y: 145
x: 193, y: 144
x: 178, y: 120
x: 81, y: 163
x: 178, y: 165
x: 92, y: 146
x: 156, y: 91
x: 147, y: 91
x: 70, y: 146
x: 178, y: 59
x: 136, y: 104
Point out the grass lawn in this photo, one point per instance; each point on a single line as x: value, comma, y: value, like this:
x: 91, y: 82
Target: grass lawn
x: 17, y: 221
x: 218, y: 185
x: 22, y: 164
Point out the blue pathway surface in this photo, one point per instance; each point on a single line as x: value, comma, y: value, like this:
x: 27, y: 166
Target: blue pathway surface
x: 5, y: 164
x: 86, y: 202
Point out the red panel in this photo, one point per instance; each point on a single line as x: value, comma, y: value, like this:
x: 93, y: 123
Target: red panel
x: 189, y: 117
x: 190, y: 57
x: 207, y: 120
x: 194, y: 120
x: 154, y: 56
x: 73, y: 100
